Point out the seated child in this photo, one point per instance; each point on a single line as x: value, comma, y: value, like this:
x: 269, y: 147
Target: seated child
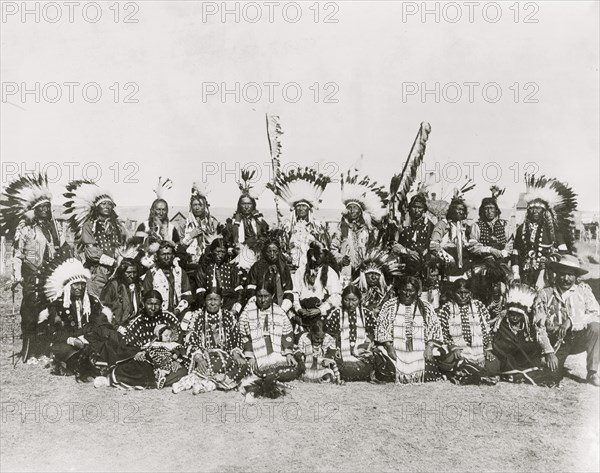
x: 316, y: 352
x: 165, y: 354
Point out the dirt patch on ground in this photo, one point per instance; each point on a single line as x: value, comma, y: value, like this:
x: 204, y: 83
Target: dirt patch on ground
x: 51, y: 423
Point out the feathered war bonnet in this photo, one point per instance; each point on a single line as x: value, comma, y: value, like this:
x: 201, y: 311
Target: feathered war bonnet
x: 520, y: 298
x: 303, y: 185
x: 382, y: 263
x: 55, y: 279
x: 20, y: 199
x: 368, y: 195
x: 558, y: 200
x: 60, y: 273
x: 83, y: 197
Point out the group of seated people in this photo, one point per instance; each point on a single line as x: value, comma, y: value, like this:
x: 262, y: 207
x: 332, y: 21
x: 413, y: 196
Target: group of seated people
x: 236, y: 306
x: 265, y: 335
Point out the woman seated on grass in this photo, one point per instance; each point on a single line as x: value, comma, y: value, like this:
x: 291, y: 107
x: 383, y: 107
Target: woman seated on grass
x: 468, y: 338
x: 214, y: 345
x: 407, y: 332
x: 138, y: 372
x: 352, y: 327
x: 267, y: 336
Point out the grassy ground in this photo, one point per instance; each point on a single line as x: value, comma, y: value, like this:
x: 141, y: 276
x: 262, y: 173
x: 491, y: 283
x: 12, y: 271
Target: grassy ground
x: 51, y: 423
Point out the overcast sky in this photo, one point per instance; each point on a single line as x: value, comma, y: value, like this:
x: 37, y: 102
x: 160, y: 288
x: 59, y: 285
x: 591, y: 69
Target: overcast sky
x: 375, y: 59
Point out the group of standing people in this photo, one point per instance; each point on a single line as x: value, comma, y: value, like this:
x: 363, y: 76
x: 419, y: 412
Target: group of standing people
x: 238, y: 304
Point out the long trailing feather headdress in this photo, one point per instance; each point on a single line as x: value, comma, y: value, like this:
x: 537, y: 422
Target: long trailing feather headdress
x: 371, y: 197
x: 300, y: 185
x: 549, y: 191
x: 82, y: 197
x: 19, y: 200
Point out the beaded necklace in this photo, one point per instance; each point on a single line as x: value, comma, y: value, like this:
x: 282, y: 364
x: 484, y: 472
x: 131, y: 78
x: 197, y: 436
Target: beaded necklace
x: 222, y: 336
x: 409, y: 317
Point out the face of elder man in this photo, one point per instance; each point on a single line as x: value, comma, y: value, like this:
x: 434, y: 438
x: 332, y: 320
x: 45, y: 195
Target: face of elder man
x: 301, y: 211
x: 130, y: 275
x: 354, y: 212
x: 42, y: 211
x: 407, y: 294
x: 535, y: 213
x: 161, y: 210
x: 77, y: 290
x: 372, y: 279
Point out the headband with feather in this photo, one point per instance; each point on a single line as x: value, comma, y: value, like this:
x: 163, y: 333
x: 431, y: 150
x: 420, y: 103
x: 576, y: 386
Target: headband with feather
x: 19, y: 200
x: 459, y: 194
x: 372, y: 198
x: 496, y: 192
x: 245, y: 186
x: 304, y: 185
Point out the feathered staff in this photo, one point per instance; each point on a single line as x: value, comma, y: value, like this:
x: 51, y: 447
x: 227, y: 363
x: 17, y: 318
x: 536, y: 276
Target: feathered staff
x: 401, y: 184
x: 274, y: 133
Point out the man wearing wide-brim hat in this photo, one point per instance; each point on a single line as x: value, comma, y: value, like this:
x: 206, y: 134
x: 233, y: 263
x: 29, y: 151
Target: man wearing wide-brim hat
x: 567, y: 315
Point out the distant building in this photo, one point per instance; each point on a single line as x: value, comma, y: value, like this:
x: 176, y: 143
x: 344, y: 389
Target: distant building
x: 521, y: 209
x: 179, y: 221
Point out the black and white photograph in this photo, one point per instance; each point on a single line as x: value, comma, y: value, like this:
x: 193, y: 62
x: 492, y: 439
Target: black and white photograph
x: 325, y: 236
